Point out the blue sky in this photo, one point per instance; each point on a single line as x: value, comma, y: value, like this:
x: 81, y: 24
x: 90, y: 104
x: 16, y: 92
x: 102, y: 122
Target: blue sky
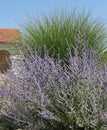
x: 13, y: 12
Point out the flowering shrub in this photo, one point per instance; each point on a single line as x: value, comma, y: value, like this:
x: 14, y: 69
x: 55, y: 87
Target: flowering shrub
x: 52, y: 95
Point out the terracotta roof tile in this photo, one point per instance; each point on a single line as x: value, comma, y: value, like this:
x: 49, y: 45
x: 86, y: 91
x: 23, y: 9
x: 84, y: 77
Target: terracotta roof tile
x: 9, y: 35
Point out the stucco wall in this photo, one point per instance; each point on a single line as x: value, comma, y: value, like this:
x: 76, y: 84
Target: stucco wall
x: 11, y: 47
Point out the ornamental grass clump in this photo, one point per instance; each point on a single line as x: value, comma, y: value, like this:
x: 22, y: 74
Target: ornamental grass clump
x: 48, y: 96
x: 59, y: 29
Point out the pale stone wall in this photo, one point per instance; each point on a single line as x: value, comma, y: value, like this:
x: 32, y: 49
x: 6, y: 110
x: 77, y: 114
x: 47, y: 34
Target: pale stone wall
x: 11, y: 47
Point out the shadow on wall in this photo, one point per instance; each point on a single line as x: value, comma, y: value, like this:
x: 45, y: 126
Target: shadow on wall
x: 4, y: 61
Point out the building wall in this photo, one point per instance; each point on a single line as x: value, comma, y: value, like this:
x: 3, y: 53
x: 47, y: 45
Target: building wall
x: 10, y: 47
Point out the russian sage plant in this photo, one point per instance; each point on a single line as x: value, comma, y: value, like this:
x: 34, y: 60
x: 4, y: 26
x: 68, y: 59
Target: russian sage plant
x: 49, y: 94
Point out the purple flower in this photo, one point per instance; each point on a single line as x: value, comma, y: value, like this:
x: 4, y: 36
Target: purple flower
x: 47, y: 114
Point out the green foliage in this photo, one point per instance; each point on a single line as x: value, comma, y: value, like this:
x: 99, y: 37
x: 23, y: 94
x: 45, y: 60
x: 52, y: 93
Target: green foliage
x: 60, y: 29
x: 7, y: 124
x: 78, y: 108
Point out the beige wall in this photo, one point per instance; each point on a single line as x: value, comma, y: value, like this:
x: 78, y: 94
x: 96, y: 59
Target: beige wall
x: 11, y: 47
